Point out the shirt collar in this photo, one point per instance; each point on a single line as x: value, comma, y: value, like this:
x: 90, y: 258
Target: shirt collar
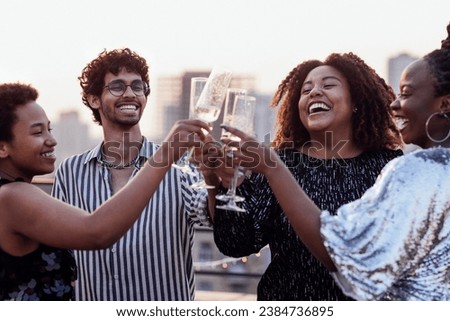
x: 146, y: 151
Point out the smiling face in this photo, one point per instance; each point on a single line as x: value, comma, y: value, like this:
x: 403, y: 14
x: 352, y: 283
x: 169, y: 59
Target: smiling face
x: 325, y: 103
x: 31, y: 151
x: 415, y: 104
x: 125, y: 110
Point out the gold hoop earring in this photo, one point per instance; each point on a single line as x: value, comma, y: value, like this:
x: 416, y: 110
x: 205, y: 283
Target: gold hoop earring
x: 427, y: 124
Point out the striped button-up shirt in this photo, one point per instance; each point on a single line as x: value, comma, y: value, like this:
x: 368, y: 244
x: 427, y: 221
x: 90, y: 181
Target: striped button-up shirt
x: 153, y: 260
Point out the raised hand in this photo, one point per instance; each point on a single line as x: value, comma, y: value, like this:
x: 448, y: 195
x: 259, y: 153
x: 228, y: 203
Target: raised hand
x: 250, y: 153
x: 183, y: 135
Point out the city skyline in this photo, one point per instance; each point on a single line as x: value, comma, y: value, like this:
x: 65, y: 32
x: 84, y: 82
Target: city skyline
x: 174, y: 92
x: 48, y: 42
x: 171, y: 95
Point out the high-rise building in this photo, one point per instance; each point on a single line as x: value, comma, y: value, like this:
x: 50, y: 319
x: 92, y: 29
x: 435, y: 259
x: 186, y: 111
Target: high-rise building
x: 72, y: 135
x: 264, y: 118
x: 167, y: 97
x: 172, y: 100
x: 395, y: 67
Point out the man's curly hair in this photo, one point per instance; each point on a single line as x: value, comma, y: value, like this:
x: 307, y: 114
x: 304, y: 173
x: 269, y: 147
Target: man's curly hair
x: 93, y: 75
x: 373, y: 125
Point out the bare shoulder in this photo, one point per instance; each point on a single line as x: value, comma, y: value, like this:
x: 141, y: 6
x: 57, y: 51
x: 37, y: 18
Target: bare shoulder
x: 18, y: 186
x: 19, y: 193
x: 16, y: 200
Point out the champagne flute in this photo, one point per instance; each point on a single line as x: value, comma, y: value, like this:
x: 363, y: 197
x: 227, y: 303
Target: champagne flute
x: 196, y: 90
x: 228, y: 110
x: 232, y: 93
x: 209, y: 103
x: 211, y: 99
x: 242, y: 118
x: 197, y: 85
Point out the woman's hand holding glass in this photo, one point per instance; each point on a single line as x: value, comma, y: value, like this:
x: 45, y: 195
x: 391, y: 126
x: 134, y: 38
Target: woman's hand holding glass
x: 251, y: 154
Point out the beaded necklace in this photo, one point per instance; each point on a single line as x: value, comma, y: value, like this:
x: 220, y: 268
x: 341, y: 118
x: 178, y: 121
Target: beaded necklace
x: 117, y: 166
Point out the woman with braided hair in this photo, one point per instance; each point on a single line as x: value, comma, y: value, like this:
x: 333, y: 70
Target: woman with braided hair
x: 394, y: 242
x: 335, y: 134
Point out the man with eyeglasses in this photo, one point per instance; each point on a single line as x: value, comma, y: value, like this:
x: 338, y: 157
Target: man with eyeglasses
x: 153, y: 261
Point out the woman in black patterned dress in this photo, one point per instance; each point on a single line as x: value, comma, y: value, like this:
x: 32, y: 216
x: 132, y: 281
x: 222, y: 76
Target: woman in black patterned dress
x: 393, y: 243
x: 335, y: 133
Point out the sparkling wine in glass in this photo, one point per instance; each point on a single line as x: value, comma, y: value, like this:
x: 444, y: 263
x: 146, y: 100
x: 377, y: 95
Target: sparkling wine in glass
x: 209, y: 104
x: 242, y: 118
x: 197, y: 85
x: 232, y: 93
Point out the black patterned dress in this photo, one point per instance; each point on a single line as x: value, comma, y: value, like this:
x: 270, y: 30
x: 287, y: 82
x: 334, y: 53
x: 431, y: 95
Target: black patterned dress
x: 46, y: 274
x: 294, y: 274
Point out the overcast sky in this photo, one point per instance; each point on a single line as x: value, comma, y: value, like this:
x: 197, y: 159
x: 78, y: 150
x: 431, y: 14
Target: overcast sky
x: 48, y: 42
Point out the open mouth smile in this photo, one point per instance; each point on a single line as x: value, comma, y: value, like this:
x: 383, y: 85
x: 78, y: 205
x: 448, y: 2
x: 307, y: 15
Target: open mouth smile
x: 400, y: 122
x: 317, y: 108
x: 128, y: 108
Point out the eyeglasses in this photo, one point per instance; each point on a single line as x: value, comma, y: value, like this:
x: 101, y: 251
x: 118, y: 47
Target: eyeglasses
x: 117, y: 88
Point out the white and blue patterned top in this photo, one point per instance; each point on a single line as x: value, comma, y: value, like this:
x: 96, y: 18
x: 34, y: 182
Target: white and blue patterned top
x: 153, y: 260
x: 394, y: 242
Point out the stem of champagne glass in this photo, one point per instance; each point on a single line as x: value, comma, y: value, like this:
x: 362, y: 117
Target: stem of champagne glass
x: 233, y: 185
x: 188, y: 156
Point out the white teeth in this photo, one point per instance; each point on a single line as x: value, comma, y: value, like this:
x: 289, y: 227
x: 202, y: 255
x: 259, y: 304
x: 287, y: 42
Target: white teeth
x: 317, y: 107
x: 128, y: 107
x: 400, y: 122
x: 51, y: 154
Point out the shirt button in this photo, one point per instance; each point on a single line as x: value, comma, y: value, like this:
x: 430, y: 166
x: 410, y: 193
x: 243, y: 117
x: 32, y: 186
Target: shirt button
x: 113, y: 250
x: 116, y: 277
